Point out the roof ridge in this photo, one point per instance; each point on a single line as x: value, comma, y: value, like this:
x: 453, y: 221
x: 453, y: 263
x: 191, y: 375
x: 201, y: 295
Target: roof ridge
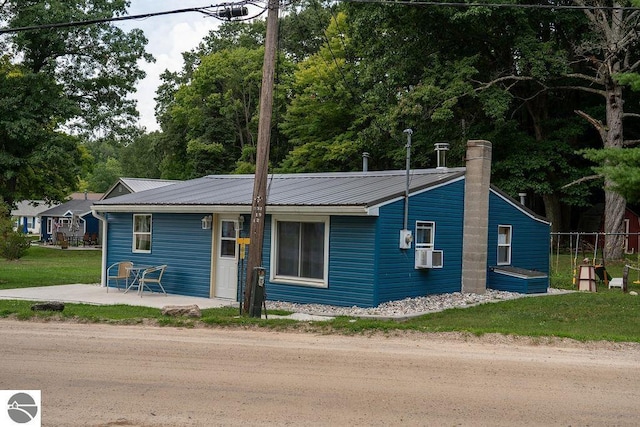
x: 344, y: 174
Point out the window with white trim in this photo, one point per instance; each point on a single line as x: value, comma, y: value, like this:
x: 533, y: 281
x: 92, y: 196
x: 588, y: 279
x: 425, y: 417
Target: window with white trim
x: 227, y: 239
x: 425, y: 234
x: 300, y: 251
x: 504, y: 244
x: 142, y: 233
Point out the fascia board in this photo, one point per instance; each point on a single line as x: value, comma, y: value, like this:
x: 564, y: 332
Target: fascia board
x: 202, y: 209
x: 521, y: 208
x: 415, y: 193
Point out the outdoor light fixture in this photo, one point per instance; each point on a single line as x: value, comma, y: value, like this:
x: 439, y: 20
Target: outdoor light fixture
x: 240, y: 223
x: 206, y: 222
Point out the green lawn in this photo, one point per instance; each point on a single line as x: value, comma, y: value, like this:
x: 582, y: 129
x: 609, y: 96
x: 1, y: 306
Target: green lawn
x: 605, y: 315
x: 45, y: 266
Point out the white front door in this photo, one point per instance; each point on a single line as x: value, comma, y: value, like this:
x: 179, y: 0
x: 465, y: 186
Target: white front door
x: 226, y: 285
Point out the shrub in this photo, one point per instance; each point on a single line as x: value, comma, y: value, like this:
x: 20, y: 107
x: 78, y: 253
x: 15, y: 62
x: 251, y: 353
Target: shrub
x: 13, y: 244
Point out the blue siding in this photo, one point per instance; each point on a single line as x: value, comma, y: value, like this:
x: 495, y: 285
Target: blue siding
x: 366, y: 266
x: 503, y: 282
x: 398, y: 277
x: 352, y: 271
x: 529, y: 243
x: 177, y: 240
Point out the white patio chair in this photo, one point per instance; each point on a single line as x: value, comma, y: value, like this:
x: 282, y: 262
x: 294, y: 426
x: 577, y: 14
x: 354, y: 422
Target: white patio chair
x: 152, y: 276
x: 119, y: 271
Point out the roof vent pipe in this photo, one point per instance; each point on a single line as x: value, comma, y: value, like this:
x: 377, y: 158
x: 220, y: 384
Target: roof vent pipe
x: 523, y: 198
x: 441, y: 149
x: 365, y: 162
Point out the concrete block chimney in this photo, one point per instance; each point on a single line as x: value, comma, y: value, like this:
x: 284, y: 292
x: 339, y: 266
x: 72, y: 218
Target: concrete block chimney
x: 476, y: 217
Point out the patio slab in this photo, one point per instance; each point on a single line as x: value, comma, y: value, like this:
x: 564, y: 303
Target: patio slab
x: 96, y: 294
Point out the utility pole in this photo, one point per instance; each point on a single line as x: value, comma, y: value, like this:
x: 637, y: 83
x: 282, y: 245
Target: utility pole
x: 259, y: 201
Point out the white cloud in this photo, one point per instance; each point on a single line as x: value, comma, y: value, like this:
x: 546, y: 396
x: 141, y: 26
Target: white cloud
x: 169, y: 36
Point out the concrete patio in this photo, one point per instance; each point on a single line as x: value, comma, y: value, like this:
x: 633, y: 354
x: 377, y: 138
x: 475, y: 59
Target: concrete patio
x: 96, y: 294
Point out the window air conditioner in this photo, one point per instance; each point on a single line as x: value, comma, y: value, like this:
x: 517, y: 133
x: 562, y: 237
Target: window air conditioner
x: 429, y: 258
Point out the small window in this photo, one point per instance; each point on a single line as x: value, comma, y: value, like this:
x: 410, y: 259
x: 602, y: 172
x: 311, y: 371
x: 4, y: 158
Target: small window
x: 504, y: 244
x: 142, y: 233
x: 425, y: 234
x: 227, y: 239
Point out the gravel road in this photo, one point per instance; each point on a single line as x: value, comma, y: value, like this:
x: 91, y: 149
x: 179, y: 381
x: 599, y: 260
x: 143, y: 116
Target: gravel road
x: 106, y: 375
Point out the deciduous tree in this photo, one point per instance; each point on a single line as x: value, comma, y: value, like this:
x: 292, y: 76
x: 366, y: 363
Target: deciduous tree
x: 58, y: 82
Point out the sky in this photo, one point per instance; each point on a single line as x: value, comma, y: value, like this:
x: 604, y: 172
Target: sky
x: 169, y: 36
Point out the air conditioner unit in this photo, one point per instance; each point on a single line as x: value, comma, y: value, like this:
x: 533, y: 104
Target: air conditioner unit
x: 429, y: 258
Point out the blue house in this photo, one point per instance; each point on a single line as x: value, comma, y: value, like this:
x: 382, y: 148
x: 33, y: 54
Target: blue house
x: 356, y: 238
x: 73, y: 218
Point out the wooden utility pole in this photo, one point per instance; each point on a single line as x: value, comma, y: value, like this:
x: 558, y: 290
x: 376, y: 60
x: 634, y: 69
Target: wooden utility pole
x: 259, y: 201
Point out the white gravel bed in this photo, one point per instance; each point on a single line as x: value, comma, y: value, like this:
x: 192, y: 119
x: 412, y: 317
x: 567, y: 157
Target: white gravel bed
x: 407, y: 307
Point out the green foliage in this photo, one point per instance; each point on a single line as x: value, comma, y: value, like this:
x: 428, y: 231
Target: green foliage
x: 541, y: 166
x: 104, y: 175
x: 13, y: 244
x: 621, y: 166
x: 97, y: 65
x: 214, y: 116
x: 36, y: 160
x: 364, y: 73
x: 141, y: 158
x: 629, y: 79
x: 323, y: 107
x: 62, y: 82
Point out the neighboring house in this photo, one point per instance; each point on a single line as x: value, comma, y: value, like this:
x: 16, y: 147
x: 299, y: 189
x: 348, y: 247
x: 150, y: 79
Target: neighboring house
x: 592, y: 222
x: 27, y: 215
x: 336, y: 238
x: 135, y: 185
x: 73, y: 218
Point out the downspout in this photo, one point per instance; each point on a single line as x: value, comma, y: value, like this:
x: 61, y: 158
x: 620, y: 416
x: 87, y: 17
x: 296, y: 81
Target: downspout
x: 103, y: 271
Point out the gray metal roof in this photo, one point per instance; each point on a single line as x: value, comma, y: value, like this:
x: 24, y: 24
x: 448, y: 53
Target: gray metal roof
x: 135, y: 185
x: 142, y: 184
x: 76, y: 207
x: 31, y: 208
x: 364, y: 189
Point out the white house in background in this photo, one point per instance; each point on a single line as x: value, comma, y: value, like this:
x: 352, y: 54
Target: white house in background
x: 26, y: 215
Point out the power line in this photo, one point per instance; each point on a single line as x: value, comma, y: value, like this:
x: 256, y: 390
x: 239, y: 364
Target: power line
x: 207, y: 10
x: 494, y: 5
x: 214, y: 11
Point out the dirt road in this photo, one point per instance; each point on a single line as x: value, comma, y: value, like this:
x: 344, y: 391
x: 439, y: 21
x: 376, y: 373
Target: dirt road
x: 103, y: 375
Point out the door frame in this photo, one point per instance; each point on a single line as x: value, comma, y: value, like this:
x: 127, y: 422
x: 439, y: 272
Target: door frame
x: 216, y: 240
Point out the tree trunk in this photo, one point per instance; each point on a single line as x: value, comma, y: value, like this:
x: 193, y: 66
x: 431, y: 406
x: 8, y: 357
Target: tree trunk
x: 553, y: 211
x: 615, y: 204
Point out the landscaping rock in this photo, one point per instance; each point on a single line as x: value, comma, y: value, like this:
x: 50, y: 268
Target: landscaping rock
x: 181, y: 310
x: 48, y: 306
